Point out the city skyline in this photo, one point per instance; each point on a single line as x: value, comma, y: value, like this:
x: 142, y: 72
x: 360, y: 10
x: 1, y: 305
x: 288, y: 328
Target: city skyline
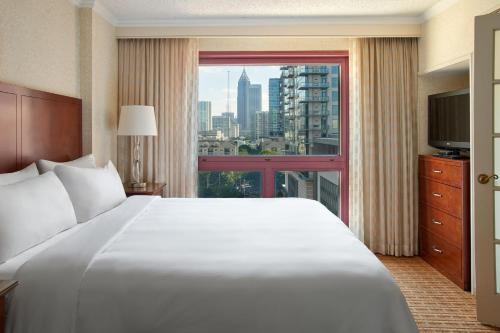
x: 295, y: 111
x: 303, y: 116
x: 213, y: 85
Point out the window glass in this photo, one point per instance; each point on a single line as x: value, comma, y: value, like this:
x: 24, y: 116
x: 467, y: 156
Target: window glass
x: 323, y: 186
x: 229, y: 184
x: 269, y: 110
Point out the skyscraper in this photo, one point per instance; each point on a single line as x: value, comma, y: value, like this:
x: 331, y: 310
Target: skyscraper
x: 261, y: 124
x: 222, y: 123
x: 227, y: 124
x: 249, y: 102
x: 234, y: 129
x: 243, y: 104
x: 254, y: 103
x: 204, y: 116
x: 275, y: 116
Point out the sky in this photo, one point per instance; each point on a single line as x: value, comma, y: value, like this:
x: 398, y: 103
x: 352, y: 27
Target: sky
x: 213, y: 84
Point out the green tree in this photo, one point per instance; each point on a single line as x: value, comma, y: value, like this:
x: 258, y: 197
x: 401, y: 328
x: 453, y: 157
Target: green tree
x: 228, y: 184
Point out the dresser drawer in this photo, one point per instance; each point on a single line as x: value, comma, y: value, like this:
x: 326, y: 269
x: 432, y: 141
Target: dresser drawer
x: 442, y: 172
x: 441, y: 224
x: 443, y: 256
x: 445, y: 197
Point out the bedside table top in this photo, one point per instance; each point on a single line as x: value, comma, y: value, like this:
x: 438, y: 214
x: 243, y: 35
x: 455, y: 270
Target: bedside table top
x: 150, y: 189
x: 6, y: 286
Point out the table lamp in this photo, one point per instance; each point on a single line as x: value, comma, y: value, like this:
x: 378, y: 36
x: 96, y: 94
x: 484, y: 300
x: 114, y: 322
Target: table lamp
x: 136, y: 121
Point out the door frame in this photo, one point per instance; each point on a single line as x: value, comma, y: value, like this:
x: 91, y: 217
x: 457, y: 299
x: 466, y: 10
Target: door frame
x: 488, y: 300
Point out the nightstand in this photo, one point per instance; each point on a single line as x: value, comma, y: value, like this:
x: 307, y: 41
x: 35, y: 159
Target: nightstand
x: 5, y: 288
x: 150, y: 189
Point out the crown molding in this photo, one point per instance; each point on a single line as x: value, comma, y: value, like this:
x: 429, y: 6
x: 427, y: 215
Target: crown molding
x: 269, y: 21
x: 99, y: 8
x: 437, y: 9
x: 105, y: 13
x: 109, y: 16
x: 86, y: 3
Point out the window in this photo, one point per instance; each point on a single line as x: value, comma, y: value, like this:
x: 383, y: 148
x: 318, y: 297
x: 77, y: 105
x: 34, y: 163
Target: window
x: 229, y: 184
x: 274, y: 124
x: 323, y: 186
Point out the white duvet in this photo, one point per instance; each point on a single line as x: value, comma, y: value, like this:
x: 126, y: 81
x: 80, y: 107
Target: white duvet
x: 209, y: 265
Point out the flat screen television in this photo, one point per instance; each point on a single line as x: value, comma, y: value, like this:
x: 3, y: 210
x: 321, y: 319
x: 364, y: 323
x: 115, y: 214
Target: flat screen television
x: 449, y: 120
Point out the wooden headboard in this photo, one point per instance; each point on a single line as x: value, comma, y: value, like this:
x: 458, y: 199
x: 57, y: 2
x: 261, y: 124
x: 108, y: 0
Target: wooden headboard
x: 37, y: 125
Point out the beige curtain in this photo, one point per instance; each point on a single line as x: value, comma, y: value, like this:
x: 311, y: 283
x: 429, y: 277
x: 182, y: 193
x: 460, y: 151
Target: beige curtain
x: 383, y: 161
x: 355, y: 158
x: 162, y: 73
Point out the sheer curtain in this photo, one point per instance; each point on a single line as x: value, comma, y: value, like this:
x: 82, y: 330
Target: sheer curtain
x: 383, y: 144
x: 162, y: 73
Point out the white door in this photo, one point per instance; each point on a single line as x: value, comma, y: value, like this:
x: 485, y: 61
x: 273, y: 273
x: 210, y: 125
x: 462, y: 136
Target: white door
x: 486, y: 154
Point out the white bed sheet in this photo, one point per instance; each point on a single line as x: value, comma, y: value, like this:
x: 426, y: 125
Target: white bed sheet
x: 209, y: 265
x: 9, y: 268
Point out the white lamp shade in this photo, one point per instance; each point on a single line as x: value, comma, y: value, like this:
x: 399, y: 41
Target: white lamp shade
x: 137, y: 120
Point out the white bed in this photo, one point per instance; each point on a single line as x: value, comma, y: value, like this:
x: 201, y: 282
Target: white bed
x: 206, y: 265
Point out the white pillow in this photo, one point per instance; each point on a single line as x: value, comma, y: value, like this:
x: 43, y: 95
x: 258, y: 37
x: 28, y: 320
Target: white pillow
x: 87, y: 161
x: 13, y: 177
x: 31, y: 212
x: 92, y: 191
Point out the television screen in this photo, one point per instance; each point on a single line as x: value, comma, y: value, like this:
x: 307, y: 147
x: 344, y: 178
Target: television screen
x: 449, y: 122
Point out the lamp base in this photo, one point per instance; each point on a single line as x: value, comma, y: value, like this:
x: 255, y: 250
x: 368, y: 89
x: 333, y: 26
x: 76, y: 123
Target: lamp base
x: 137, y: 185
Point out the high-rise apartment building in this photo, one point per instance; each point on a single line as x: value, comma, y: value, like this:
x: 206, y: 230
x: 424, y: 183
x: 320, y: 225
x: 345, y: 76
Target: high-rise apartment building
x: 323, y: 186
x: 275, y: 114
x: 204, y: 116
x: 255, y: 98
x: 227, y: 124
x: 222, y: 123
x: 234, y: 128
x: 261, y: 124
x: 311, y: 108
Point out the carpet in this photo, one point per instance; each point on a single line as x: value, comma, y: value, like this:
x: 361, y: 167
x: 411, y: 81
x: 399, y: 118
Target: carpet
x: 437, y: 304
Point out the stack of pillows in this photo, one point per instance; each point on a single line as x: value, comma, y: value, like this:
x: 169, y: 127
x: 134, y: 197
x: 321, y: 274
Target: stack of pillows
x: 41, y: 200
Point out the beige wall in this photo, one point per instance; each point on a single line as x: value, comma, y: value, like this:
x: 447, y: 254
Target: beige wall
x: 86, y: 77
x: 54, y: 46
x: 99, y: 85
x: 39, y: 45
x: 431, y: 84
x: 448, y: 37
x: 104, y: 90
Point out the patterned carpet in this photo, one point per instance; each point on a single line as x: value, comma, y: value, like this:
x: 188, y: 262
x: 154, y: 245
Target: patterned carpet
x: 437, y: 304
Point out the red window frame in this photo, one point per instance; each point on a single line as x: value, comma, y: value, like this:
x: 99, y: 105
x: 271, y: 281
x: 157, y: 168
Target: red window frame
x: 269, y: 165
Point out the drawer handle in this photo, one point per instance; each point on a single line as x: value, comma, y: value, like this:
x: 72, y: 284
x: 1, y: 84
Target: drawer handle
x: 437, y: 222
x: 435, y: 249
x: 437, y: 171
x: 437, y: 195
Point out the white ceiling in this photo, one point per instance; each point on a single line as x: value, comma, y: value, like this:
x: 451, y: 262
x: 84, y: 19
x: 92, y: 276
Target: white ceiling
x: 185, y: 12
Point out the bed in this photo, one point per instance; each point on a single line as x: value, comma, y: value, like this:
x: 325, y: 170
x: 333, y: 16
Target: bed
x: 208, y: 265
x: 203, y: 265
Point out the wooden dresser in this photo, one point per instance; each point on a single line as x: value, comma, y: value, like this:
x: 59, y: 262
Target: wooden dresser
x: 444, y: 216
